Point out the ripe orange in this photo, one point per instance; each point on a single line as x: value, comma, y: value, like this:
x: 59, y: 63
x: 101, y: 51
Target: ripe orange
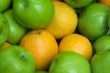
x: 64, y: 21
x: 76, y: 43
x: 106, y: 2
x: 43, y: 46
x: 6, y: 44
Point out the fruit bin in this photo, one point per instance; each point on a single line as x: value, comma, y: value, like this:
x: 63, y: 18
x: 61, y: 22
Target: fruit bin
x: 54, y: 36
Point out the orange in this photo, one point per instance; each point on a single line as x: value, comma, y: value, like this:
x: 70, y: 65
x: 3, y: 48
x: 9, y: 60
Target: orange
x: 76, y: 43
x: 106, y: 2
x: 42, y: 45
x: 6, y: 44
x: 64, y: 21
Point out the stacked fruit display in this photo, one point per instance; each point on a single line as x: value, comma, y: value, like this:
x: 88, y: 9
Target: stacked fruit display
x: 54, y: 36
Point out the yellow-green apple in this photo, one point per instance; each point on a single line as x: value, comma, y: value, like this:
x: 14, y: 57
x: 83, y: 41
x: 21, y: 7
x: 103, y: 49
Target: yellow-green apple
x: 78, y: 3
x: 4, y: 30
x: 15, y: 59
x: 4, y: 4
x: 16, y: 30
x: 34, y: 14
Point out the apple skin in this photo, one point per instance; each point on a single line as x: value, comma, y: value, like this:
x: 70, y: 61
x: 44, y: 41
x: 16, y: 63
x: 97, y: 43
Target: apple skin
x: 4, y: 4
x: 93, y: 21
x: 17, y: 31
x: 15, y: 59
x: 4, y: 30
x: 34, y: 14
x: 41, y: 72
x: 78, y: 3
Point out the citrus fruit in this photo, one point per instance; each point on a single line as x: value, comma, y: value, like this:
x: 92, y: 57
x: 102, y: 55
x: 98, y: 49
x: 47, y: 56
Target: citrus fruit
x: 102, y: 44
x: 64, y: 21
x: 6, y: 44
x: 101, y: 62
x: 106, y: 2
x: 76, y: 43
x: 69, y: 62
x: 42, y: 45
x: 93, y: 21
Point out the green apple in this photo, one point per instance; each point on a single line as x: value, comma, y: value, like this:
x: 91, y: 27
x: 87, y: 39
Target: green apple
x: 34, y: 14
x: 93, y: 21
x: 102, y: 44
x: 15, y: 59
x: 4, y: 30
x: 12, y: 0
x: 17, y: 31
x: 101, y: 62
x: 70, y: 62
x: 78, y: 3
x: 41, y: 72
x: 4, y: 4
x: 109, y: 22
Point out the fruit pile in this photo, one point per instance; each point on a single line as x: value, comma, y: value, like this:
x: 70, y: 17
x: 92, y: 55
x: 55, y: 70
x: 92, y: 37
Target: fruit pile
x: 54, y: 36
